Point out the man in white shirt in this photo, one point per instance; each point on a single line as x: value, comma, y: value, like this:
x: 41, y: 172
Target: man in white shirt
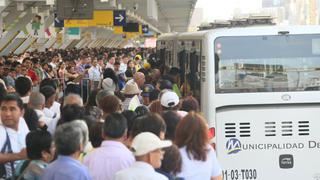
x: 12, y: 139
x: 147, y: 149
x: 94, y: 75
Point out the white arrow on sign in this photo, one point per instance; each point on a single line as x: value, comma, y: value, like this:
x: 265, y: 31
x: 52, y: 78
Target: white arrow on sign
x: 120, y: 18
x: 57, y: 20
x: 145, y: 29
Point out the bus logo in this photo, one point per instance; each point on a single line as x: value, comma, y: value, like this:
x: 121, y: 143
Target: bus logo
x: 233, y: 146
x: 286, y: 161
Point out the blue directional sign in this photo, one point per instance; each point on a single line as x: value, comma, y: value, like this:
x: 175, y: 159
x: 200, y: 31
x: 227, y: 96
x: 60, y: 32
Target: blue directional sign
x: 145, y: 29
x: 119, y: 17
x: 58, y: 22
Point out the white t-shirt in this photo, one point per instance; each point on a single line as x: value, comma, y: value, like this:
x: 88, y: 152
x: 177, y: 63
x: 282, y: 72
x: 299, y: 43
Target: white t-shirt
x: 199, y: 170
x: 139, y: 171
x: 17, y: 138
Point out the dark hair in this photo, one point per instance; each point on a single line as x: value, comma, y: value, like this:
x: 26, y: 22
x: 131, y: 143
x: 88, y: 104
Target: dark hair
x: 130, y: 116
x: 174, y: 71
x: 48, y: 82
x: 110, y: 104
x: 190, y: 103
x: 70, y: 113
x: 141, y: 110
x: 155, y: 107
x: 23, y: 85
x: 171, y: 119
x: 192, y: 132
x: 48, y: 91
x: 109, y: 73
x: 38, y: 141
x: 13, y: 97
x: 115, y: 125
x: 95, y: 132
x: 172, y: 161
x: 31, y: 118
x: 148, y: 123
x: 165, y: 84
x: 92, y: 98
x: 3, y: 92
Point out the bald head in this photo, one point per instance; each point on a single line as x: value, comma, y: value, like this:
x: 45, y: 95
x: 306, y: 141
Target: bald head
x: 37, y: 100
x: 72, y: 99
x: 139, y: 78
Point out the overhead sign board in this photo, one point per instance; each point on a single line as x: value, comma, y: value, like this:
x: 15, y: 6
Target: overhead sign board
x: 58, y: 22
x: 119, y: 17
x: 100, y: 18
x: 145, y: 29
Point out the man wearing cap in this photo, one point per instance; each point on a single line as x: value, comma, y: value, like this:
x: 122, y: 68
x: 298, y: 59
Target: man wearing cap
x: 147, y: 89
x: 147, y: 149
x: 131, y: 90
x: 170, y: 101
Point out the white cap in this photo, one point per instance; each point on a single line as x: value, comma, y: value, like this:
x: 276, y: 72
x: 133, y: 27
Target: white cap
x: 169, y: 99
x: 146, y: 142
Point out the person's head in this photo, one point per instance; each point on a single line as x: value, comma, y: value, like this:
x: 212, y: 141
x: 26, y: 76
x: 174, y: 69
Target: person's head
x: 130, y: 116
x: 192, y: 132
x: 27, y: 63
x: 95, y: 131
x: 155, y: 75
x: 109, y: 73
x: 39, y: 146
x: 37, y: 101
x: 130, y: 64
x: 94, y: 62
x: 23, y: 86
x: 73, y: 99
x: 101, y: 94
x: 174, y: 74
x: 115, y: 127
x: 70, y: 113
x: 32, y: 119
x: 92, y: 98
x: 149, y: 123
x: 131, y: 89
x: 11, y: 111
x: 139, y: 78
x: 71, y: 138
x: 171, y: 119
x: 155, y: 107
x: 172, y: 161
x: 48, y: 82
x: 147, y: 89
x: 147, y: 147
x: 141, y: 110
x: 169, y: 100
x: 164, y: 84
x: 190, y: 103
x: 116, y: 66
x: 50, y: 95
x: 112, y: 60
x: 110, y: 104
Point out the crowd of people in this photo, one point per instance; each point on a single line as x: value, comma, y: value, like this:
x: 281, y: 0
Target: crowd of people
x: 99, y: 114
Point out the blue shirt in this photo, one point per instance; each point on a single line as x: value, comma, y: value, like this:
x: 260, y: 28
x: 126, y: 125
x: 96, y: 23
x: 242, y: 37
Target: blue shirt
x: 66, y: 167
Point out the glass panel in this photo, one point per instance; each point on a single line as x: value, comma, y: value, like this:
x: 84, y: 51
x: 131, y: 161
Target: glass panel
x: 267, y: 63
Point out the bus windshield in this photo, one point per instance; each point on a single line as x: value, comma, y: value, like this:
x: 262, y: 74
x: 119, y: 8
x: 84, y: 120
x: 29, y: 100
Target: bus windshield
x: 276, y: 63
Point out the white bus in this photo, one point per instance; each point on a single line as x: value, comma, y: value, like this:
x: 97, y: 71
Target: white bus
x: 259, y: 87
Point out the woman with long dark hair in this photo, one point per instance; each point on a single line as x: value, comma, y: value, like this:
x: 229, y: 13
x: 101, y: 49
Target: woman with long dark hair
x: 199, y: 159
x: 110, y: 80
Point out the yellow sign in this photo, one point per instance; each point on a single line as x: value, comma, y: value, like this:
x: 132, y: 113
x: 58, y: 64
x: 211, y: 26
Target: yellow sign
x: 59, y: 38
x: 100, y: 18
x: 118, y: 30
